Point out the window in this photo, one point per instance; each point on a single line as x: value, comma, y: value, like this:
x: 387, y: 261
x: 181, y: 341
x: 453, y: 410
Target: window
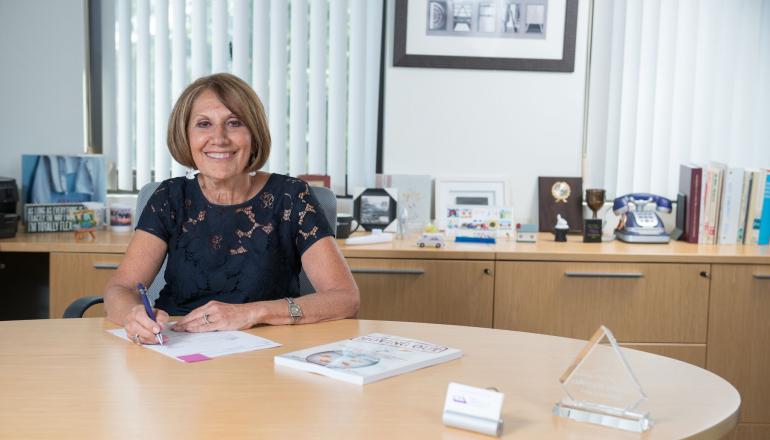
x: 674, y: 82
x: 314, y: 63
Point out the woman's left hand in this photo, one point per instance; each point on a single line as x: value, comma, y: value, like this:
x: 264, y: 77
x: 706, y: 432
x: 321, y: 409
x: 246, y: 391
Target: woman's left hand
x: 215, y: 316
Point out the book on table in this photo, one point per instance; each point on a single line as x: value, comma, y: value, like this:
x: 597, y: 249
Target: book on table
x: 690, y: 177
x: 764, y: 222
x: 711, y: 203
x: 744, y: 207
x: 730, y: 205
x: 756, y: 202
x: 368, y: 358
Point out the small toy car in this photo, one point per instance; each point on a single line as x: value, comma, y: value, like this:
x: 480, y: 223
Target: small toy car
x: 432, y: 239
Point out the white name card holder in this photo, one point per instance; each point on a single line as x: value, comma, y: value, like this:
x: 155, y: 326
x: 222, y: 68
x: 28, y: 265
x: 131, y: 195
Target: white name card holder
x: 601, y: 388
x: 473, y: 409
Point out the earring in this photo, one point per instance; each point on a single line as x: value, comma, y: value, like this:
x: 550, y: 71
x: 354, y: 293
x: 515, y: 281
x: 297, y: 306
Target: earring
x: 252, y: 173
x: 191, y: 173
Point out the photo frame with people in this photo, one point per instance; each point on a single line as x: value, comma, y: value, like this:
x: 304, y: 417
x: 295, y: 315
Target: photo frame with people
x: 375, y: 208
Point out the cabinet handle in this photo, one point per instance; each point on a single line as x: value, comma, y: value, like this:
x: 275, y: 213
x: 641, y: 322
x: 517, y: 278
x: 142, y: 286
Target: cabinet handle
x: 391, y: 271
x: 604, y: 274
x: 106, y: 265
x: 487, y: 271
x: 762, y: 276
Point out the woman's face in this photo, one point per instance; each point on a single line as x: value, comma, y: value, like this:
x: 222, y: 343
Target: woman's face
x: 219, y: 141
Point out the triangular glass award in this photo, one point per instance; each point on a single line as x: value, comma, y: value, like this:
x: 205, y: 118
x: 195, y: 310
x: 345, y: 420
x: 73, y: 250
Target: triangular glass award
x: 601, y: 388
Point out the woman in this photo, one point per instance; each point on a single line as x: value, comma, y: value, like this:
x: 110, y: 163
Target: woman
x: 236, y: 238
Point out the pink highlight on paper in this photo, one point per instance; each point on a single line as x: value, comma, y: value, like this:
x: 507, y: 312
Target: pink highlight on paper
x: 197, y: 357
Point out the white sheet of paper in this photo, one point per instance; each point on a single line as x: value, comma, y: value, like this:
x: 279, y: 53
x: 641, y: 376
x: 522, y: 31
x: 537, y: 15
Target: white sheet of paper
x: 192, y: 347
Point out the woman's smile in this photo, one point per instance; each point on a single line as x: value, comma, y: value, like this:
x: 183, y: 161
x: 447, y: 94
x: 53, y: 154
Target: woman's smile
x: 220, y: 155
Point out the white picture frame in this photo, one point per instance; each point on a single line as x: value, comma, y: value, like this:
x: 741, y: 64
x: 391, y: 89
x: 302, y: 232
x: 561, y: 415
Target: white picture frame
x: 468, y: 191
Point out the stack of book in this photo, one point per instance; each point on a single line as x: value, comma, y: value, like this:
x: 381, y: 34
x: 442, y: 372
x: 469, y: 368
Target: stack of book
x: 725, y: 205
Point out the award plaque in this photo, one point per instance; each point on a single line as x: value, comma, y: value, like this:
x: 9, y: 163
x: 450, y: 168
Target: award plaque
x: 601, y: 388
x: 560, y: 196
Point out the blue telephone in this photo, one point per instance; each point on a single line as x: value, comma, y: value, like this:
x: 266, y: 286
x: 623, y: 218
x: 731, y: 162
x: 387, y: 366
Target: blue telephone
x: 637, y: 225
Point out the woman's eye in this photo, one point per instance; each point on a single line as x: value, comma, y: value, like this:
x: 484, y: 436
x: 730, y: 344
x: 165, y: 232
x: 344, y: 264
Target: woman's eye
x: 234, y: 123
x: 202, y: 124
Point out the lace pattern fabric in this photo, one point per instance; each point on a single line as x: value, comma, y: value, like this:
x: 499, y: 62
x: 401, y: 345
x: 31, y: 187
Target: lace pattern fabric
x: 236, y: 253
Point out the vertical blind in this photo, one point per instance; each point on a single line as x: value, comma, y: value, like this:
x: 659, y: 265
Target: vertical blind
x: 676, y: 81
x: 314, y: 63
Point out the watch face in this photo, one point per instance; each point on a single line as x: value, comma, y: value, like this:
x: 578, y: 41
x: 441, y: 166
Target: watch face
x: 561, y: 191
x: 295, y: 310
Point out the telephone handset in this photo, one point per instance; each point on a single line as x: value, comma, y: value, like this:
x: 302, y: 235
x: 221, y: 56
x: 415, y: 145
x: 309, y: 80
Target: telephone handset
x: 638, y: 225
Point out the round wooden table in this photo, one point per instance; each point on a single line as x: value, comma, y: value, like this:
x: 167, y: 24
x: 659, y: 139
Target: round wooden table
x: 70, y: 378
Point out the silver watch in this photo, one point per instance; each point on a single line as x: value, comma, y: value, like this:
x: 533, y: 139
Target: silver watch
x: 295, y: 311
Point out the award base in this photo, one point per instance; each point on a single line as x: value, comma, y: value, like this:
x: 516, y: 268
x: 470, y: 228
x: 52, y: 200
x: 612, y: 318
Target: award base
x: 592, y: 230
x: 603, y: 415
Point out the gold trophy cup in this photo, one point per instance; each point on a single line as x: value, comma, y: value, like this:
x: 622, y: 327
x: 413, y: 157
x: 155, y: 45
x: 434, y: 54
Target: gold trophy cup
x: 592, y: 230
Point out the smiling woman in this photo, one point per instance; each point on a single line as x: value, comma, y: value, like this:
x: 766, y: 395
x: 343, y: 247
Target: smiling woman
x: 219, y: 142
x: 236, y: 237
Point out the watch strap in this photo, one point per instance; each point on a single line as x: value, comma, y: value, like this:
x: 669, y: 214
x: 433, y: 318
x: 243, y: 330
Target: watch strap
x: 295, y: 311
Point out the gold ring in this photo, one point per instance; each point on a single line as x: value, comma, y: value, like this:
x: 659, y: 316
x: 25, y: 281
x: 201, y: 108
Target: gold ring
x: 206, y: 319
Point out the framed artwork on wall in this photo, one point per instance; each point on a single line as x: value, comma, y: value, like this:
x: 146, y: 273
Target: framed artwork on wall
x: 535, y: 35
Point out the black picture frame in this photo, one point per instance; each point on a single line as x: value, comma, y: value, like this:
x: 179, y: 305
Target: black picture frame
x: 361, y: 208
x: 565, y: 64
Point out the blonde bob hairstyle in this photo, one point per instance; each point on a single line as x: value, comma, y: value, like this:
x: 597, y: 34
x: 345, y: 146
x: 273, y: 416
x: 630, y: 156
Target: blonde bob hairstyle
x: 239, y: 98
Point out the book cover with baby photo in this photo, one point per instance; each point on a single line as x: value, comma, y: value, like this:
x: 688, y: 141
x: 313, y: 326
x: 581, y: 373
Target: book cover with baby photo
x: 368, y: 358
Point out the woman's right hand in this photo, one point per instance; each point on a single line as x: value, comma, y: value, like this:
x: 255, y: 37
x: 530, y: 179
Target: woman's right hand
x: 140, y: 328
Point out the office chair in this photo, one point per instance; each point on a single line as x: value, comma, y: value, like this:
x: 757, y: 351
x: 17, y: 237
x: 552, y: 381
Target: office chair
x: 325, y: 197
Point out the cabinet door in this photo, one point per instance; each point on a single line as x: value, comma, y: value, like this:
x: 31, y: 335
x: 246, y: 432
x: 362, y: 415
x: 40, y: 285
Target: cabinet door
x: 639, y: 302
x: 749, y: 431
x: 739, y: 335
x: 691, y: 353
x: 80, y: 274
x: 437, y: 291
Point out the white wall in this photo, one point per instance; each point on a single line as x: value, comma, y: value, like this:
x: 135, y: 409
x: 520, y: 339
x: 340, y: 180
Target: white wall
x: 437, y: 121
x: 453, y: 122
x: 42, y: 48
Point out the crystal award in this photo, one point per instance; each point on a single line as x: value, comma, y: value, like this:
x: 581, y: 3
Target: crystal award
x: 601, y: 388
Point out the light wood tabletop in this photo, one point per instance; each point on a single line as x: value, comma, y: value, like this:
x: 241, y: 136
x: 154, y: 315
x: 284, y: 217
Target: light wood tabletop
x: 545, y: 249
x: 72, y: 379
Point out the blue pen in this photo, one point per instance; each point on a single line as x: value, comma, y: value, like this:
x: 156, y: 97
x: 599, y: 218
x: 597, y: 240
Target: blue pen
x: 147, y: 307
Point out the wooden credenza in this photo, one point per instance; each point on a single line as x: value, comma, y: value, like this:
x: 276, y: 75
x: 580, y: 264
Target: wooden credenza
x: 706, y: 305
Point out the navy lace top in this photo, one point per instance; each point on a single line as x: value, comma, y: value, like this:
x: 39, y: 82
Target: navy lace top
x: 234, y: 253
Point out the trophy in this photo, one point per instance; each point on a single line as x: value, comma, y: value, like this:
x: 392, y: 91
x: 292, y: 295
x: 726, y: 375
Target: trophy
x: 601, y: 388
x: 592, y: 228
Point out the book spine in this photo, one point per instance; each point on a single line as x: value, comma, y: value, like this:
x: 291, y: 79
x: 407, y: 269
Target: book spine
x: 755, y: 211
x: 764, y: 223
x: 744, y: 208
x: 693, y: 205
x: 729, y: 211
x: 705, y: 205
x: 719, y: 191
x: 712, y: 207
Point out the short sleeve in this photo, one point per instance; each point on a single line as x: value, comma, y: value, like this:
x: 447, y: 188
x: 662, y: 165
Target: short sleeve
x: 310, y: 220
x: 157, y: 215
